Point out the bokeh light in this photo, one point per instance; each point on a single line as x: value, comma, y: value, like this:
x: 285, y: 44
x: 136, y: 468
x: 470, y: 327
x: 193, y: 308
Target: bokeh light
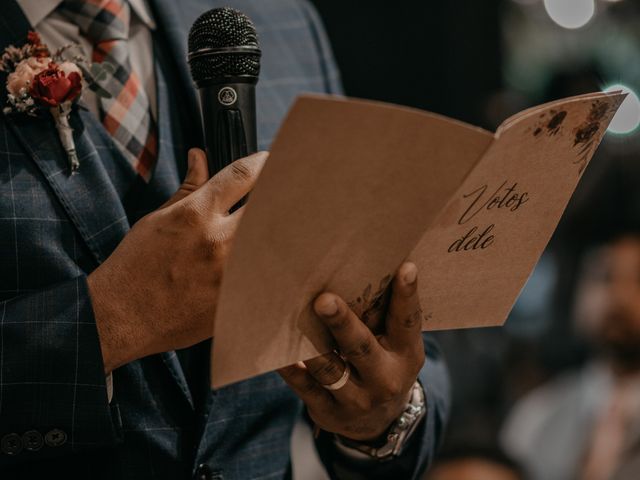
x: 627, y: 118
x: 570, y: 13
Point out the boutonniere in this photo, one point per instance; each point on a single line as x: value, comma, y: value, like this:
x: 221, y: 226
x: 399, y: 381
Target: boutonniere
x: 39, y: 82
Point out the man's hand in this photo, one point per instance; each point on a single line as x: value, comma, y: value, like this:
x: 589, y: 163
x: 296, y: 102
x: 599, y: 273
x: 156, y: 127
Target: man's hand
x: 383, y: 369
x: 158, y: 290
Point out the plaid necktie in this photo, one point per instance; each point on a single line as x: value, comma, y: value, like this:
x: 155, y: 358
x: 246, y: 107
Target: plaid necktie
x: 126, y: 115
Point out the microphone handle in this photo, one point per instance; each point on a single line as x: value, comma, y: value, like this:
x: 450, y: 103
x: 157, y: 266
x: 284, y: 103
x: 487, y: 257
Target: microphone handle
x: 229, y: 120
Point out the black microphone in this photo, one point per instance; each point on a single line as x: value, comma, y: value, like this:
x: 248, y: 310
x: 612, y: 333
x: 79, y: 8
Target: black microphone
x: 224, y: 58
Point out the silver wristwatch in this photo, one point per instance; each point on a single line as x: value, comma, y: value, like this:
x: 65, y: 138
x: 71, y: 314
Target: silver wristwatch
x: 397, y: 437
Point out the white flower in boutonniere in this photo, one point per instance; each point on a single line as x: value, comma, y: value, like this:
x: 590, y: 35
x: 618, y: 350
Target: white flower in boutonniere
x: 39, y: 81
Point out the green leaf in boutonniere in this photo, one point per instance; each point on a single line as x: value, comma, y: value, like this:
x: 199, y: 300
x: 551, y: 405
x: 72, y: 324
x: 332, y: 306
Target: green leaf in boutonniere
x: 100, y: 71
x: 96, y: 73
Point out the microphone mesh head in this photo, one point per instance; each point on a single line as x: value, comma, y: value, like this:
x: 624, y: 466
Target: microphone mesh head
x: 223, y: 28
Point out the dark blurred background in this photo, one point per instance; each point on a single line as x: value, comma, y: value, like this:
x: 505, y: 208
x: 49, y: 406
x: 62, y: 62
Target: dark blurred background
x: 440, y: 56
x: 481, y: 61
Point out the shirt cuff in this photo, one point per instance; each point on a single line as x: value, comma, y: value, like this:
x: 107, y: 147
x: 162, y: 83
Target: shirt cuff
x: 109, y: 383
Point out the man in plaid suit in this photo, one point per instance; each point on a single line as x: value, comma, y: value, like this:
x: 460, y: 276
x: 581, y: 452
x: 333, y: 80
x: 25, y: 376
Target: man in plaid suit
x: 109, y: 276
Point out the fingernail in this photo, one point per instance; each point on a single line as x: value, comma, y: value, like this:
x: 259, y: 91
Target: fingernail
x: 411, y: 276
x: 261, y: 155
x: 327, y: 306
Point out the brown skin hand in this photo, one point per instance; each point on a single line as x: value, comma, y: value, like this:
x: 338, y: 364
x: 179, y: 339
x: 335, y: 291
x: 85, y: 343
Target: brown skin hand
x: 158, y: 290
x: 383, y: 368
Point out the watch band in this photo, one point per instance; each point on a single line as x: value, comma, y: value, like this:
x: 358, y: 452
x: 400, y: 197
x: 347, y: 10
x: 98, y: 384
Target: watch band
x: 397, y: 437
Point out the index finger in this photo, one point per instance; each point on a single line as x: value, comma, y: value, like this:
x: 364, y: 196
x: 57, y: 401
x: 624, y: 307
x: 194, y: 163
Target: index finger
x: 232, y: 183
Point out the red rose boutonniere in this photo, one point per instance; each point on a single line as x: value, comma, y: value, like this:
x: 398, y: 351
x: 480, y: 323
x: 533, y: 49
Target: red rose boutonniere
x: 40, y: 81
x: 56, y: 84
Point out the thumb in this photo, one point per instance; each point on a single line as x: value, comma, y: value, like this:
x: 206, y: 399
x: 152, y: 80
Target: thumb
x: 197, y: 175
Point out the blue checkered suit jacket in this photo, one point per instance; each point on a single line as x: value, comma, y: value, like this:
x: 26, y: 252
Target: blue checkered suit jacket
x: 163, y: 422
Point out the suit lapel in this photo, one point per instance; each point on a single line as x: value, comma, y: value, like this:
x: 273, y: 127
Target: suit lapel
x: 89, y: 198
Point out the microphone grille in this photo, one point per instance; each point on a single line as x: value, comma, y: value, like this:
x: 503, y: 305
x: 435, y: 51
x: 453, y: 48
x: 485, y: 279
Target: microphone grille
x: 223, y: 43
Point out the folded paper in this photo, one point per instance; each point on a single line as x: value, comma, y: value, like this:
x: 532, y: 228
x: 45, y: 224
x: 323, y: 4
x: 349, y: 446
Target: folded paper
x: 353, y: 188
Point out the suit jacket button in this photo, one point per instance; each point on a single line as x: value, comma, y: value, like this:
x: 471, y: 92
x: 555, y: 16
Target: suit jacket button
x: 203, y: 472
x: 11, y: 444
x: 55, y: 438
x: 32, y: 440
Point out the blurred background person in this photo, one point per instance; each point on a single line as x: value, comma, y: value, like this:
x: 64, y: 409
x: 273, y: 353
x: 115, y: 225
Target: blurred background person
x: 586, y: 425
x: 475, y: 463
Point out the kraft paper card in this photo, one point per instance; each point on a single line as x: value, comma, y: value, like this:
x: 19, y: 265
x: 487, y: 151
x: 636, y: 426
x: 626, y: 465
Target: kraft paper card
x: 353, y: 188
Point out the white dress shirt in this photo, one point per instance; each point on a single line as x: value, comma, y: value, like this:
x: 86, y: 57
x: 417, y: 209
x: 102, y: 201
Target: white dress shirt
x: 56, y: 31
